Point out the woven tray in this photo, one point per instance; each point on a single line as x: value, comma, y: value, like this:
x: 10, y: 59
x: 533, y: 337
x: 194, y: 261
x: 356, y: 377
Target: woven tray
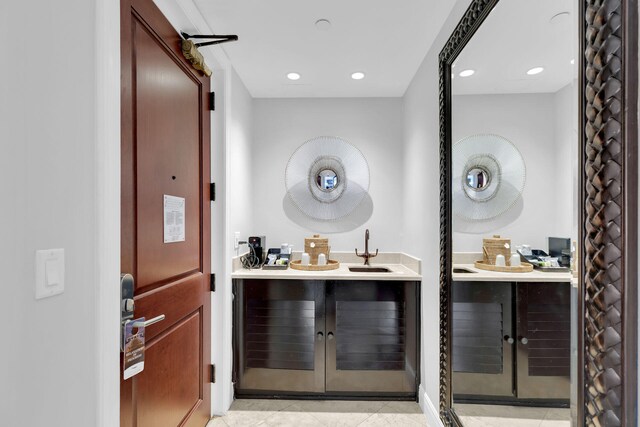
x: 524, y: 267
x: 331, y: 265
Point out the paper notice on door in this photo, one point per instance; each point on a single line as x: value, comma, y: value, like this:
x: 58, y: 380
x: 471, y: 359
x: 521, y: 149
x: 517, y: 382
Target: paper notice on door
x: 133, y: 348
x: 174, y: 220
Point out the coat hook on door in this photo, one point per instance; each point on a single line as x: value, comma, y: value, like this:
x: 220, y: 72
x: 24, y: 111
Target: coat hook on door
x: 218, y: 39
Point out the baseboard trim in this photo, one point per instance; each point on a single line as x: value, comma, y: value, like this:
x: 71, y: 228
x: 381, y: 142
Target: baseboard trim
x: 429, y: 410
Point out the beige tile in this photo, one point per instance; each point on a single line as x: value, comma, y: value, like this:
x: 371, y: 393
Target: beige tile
x: 340, y: 419
x: 216, y: 422
x: 260, y: 404
x: 501, y: 411
x: 246, y: 418
x: 327, y: 413
x: 469, y: 421
x: 394, y: 419
x: 401, y: 408
x: 558, y: 414
x: 341, y: 406
x: 555, y: 423
x: 293, y: 416
x: 251, y: 412
x: 499, y: 422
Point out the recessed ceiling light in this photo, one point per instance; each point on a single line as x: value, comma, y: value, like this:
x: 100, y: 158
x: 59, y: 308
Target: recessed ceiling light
x: 573, y: 61
x: 357, y: 76
x: 535, y: 70
x: 323, y: 24
x: 293, y: 76
x: 467, y: 73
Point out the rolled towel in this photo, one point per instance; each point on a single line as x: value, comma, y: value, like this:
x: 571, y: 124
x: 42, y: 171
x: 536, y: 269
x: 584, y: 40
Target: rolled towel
x: 191, y: 53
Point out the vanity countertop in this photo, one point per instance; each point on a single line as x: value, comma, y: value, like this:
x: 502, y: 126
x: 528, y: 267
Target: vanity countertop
x: 402, y: 266
x: 479, y: 275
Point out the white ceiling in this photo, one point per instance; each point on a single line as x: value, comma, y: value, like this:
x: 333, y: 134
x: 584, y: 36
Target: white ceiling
x: 517, y: 36
x: 387, y: 40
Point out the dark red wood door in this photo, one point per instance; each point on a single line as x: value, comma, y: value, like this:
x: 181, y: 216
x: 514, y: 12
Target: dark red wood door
x: 165, y: 152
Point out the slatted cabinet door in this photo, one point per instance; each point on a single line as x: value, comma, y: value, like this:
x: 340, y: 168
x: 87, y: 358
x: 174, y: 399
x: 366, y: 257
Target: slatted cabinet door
x: 280, y: 332
x: 544, y: 340
x: 372, y: 337
x: 482, y: 354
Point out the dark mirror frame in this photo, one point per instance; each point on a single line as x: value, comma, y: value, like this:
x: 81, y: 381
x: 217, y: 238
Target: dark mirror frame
x: 608, y: 185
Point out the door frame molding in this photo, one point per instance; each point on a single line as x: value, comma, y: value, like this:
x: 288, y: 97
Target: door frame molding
x: 107, y: 201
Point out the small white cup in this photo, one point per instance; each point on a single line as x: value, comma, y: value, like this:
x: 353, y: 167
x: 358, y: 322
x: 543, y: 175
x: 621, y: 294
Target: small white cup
x: 515, y: 260
x: 500, y: 261
x: 305, y: 259
x: 322, y: 259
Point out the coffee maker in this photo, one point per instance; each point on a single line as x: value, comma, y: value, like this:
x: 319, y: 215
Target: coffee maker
x: 257, y: 243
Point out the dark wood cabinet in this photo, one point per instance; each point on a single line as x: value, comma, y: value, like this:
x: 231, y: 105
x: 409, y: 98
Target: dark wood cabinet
x: 372, y: 336
x: 330, y: 338
x: 543, y: 343
x: 482, y: 333
x: 279, y: 328
x: 511, y: 341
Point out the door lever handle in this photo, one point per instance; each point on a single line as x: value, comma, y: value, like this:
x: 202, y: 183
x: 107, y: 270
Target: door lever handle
x: 149, y: 322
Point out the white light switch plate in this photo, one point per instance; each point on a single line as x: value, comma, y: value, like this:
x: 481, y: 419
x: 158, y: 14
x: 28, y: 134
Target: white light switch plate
x: 49, y: 273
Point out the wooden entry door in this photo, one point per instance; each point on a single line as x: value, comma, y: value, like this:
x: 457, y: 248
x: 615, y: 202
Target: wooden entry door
x: 165, y: 152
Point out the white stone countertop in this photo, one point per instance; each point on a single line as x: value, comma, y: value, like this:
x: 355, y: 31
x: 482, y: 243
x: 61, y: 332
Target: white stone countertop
x: 466, y: 261
x: 402, y: 266
x: 479, y: 275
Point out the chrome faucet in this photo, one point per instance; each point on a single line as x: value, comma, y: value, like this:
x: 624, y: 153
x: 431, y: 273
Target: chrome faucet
x: 366, y: 255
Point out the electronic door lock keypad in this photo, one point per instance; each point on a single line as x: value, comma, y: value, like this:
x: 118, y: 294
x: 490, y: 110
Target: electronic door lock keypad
x: 126, y: 297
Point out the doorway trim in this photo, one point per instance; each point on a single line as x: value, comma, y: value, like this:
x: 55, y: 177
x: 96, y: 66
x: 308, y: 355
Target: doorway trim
x: 107, y: 201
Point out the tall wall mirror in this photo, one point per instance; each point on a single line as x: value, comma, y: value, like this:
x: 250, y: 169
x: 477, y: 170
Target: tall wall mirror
x: 513, y: 292
x: 514, y: 119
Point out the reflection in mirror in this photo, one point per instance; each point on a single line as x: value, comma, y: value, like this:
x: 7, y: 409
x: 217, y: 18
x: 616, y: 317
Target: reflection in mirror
x: 478, y: 178
x: 513, y: 334
x: 327, y: 180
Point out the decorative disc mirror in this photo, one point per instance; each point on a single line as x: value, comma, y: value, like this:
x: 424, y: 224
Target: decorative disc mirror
x: 488, y: 176
x: 327, y: 178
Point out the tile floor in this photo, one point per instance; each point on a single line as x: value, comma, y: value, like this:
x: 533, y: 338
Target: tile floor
x: 258, y: 412
x: 512, y: 416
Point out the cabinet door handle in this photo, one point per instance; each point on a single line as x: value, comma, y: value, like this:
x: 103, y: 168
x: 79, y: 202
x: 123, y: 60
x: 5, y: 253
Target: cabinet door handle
x: 508, y: 339
x: 523, y: 340
x: 320, y: 335
x: 330, y: 336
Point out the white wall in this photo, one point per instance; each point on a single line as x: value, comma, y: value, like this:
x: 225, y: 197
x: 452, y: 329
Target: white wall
x: 373, y: 125
x: 539, y: 126
x: 235, y: 196
x: 239, y: 155
x: 48, y: 362
x: 566, y: 164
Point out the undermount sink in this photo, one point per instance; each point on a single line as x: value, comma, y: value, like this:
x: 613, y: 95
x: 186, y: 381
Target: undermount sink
x: 369, y: 270
x: 462, y: 270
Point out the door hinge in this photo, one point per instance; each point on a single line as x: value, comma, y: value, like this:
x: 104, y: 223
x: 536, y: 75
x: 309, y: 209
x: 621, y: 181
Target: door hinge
x: 213, y: 373
x: 213, y: 282
x: 212, y: 191
x: 212, y: 101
